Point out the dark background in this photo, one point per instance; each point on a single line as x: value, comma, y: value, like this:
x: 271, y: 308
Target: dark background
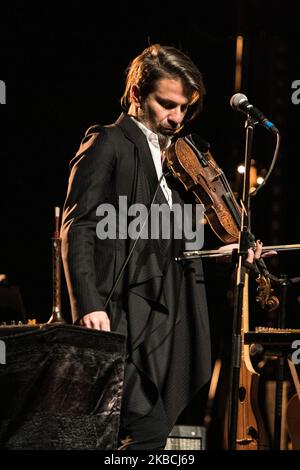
x: 64, y: 71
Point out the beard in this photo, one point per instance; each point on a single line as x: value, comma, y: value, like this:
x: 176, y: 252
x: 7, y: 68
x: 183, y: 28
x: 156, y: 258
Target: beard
x: 167, y: 130
x: 163, y: 131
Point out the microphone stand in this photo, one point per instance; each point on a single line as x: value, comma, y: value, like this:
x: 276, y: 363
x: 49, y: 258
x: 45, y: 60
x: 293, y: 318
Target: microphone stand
x: 244, y: 244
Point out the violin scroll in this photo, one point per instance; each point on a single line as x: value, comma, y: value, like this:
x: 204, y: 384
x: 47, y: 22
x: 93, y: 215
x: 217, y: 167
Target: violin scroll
x: 265, y: 296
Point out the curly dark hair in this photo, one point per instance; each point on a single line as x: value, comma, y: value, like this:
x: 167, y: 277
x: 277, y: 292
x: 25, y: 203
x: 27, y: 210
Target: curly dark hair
x: 157, y: 62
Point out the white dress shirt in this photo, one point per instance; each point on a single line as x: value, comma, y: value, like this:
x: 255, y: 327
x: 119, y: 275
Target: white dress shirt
x: 153, y: 142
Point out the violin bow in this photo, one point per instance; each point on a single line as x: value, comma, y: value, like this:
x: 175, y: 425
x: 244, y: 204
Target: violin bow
x: 217, y: 254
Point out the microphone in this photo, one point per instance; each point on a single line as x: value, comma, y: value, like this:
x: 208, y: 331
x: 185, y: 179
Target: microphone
x: 239, y: 102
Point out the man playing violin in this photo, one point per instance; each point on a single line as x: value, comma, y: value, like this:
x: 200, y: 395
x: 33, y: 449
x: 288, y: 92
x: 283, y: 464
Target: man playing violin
x: 158, y: 303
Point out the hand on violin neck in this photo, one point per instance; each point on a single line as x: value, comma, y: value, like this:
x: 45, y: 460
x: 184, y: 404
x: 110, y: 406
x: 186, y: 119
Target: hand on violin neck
x: 256, y: 252
x: 254, y: 260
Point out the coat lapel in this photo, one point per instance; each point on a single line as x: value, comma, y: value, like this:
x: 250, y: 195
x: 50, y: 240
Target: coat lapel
x: 133, y: 133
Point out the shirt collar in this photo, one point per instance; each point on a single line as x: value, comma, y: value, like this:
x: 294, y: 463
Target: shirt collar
x: 151, y: 136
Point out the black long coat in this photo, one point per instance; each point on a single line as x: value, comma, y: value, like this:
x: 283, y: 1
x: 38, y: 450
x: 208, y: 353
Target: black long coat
x: 159, y: 303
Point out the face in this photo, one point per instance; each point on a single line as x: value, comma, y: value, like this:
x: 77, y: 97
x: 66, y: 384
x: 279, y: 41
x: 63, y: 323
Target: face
x: 163, y: 110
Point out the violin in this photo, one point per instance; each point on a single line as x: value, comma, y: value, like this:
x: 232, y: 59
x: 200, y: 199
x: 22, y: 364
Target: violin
x: 190, y: 161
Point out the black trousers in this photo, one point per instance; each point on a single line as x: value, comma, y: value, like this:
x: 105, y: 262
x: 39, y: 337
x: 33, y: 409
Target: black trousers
x: 143, y: 417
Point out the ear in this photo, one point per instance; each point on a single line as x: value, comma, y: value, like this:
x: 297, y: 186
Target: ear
x: 135, y: 96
